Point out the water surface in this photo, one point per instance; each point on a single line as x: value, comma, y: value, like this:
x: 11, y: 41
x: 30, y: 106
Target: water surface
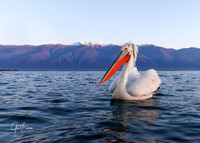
x: 72, y: 107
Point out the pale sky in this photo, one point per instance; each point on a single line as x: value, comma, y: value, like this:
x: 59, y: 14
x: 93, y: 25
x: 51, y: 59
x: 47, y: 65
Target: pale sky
x: 167, y: 23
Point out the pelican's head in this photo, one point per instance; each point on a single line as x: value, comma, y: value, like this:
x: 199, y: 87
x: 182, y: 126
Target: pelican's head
x: 128, y: 51
x: 131, y: 49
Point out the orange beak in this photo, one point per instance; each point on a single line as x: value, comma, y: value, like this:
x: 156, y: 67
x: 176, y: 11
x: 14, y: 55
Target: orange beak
x: 121, y: 59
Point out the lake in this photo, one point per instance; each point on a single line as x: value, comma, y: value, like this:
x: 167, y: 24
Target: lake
x: 71, y: 107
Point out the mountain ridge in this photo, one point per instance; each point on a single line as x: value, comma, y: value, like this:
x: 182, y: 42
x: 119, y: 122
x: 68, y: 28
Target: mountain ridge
x: 94, y: 56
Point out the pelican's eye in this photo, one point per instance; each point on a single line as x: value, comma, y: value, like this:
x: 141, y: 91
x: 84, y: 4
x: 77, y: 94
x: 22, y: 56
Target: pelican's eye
x: 125, y: 49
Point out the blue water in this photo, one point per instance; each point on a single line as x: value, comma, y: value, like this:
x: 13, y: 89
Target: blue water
x: 72, y: 107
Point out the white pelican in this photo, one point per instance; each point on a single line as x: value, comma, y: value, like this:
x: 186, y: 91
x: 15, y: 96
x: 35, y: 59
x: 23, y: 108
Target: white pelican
x: 130, y: 84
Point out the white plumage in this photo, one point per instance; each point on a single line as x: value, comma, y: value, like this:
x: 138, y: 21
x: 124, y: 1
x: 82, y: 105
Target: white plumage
x: 146, y: 84
x: 139, y: 86
x: 130, y: 84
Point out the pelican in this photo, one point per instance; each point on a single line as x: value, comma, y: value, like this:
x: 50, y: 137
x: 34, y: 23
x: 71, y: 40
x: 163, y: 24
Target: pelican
x: 130, y: 84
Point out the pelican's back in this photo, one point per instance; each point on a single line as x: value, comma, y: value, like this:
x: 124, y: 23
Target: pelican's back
x: 148, y: 83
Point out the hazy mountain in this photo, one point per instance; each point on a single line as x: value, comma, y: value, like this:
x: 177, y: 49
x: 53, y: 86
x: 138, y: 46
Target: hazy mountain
x: 90, y: 56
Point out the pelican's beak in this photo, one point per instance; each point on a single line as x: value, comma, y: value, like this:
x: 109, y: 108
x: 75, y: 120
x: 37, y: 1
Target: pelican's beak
x: 121, y: 59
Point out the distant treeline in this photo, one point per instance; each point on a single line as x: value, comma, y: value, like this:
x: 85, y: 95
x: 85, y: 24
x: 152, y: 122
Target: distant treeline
x: 8, y: 70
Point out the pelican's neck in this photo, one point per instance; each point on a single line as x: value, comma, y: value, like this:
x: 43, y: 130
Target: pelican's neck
x: 124, y: 75
x: 126, y: 71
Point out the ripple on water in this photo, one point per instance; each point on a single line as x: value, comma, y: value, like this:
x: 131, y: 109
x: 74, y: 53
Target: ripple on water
x: 72, y: 107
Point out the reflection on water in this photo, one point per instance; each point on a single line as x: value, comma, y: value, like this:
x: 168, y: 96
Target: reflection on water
x: 72, y: 107
x: 131, y: 115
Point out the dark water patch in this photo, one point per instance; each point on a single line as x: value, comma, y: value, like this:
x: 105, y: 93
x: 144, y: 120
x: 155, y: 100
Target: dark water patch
x: 5, y: 109
x: 59, y: 100
x: 92, y: 82
x: 3, y: 83
x: 176, y: 78
x: 7, y: 94
x: 29, y: 108
x: 30, y: 91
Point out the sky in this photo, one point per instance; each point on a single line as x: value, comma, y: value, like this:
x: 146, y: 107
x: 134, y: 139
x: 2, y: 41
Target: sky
x: 166, y: 23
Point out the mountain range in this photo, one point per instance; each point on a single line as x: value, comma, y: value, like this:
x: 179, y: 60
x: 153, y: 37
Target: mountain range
x: 90, y: 56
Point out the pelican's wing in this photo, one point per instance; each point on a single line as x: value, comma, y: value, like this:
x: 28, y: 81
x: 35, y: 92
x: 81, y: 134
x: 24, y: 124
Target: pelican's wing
x: 146, y: 84
x: 133, y: 76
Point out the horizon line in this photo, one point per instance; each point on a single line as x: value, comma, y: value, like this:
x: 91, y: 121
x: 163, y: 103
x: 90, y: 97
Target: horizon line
x: 92, y: 43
